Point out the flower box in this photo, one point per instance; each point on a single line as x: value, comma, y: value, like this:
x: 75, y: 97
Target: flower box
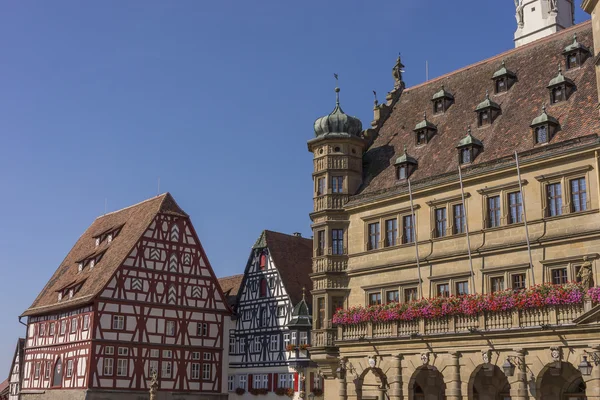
x: 284, y: 392
x: 257, y: 392
x: 240, y: 391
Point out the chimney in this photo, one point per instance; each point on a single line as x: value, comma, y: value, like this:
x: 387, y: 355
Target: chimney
x: 297, y: 234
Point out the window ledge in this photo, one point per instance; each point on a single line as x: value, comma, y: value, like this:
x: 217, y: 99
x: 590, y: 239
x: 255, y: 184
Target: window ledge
x: 570, y: 214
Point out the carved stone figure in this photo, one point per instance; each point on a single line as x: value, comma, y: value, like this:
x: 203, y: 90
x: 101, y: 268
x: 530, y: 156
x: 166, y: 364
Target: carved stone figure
x: 585, y: 274
x: 372, y: 362
x: 520, y: 14
x: 555, y: 353
x: 486, y: 356
x: 397, y: 73
x: 553, y: 5
x: 425, y: 358
x: 153, y: 385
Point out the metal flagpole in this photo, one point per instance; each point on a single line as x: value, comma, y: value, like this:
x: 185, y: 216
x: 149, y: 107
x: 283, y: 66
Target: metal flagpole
x: 464, y: 206
x: 525, y: 219
x: 414, y: 226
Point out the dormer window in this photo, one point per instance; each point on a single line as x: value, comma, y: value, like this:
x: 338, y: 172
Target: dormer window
x: 424, y: 131
x: 59, y: 296
x: 544, y: 127
x: 487, y: 111
x: 109, y: 238
x: 80, y: 267
x: 560, y: 87
x: 442, y: 101
x: 575, y: 54
x: 71, y: 293
x: 469, y: 148
x: 503, y: 79
x: 97, y: 241
x: 405, y: 166
x: 92, y: 263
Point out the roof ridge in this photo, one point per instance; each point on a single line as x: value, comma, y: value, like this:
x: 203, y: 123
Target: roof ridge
x: 163, y: 195
x: 502, y: 55
x: 230, y: 276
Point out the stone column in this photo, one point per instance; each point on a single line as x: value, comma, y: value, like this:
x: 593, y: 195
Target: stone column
x: 592, y: 381
x: 396, y: 378
x: 518, y: 388
x: 452, y: 380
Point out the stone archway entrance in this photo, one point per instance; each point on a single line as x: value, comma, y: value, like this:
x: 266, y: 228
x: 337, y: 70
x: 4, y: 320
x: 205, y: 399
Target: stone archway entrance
x: 427, y: 383
x: 488, y: 382
x: 372, y: 386
x: 561, y: 381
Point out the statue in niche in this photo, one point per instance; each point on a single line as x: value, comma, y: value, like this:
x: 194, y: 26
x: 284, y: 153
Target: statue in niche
x: 520, y: 13
x: 585, y: 274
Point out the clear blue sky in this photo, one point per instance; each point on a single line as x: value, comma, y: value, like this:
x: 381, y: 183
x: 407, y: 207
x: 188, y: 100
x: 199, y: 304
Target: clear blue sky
x: 217, y: 98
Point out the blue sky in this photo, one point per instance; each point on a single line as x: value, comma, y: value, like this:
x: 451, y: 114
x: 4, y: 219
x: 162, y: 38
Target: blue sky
x: 215, y: 98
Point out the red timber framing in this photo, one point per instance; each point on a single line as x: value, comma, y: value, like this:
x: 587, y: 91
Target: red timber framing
x: 161, y: 309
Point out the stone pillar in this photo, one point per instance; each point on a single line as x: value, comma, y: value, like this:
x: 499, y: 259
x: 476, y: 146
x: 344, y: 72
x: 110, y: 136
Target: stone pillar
x: 343, y: 384
x: 518, y: 388
x: 592, y: 381
x: 452, y: 378
x: 396, y: 378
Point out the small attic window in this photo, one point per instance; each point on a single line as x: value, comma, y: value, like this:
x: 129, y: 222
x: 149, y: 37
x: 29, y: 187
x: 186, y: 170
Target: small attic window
x: 109, y: 238
x: 487, y: 111
x: 92, y: 263
x: 60, y: 296
x: 468, y: 148
x: 71, y: 293
x: 544, y: 127
x: 80, y: 267
x: 484, y: 118
x: 424, y: 131
x: 97, y: 241
x: 405, y: 166
x: 575, y: 54
x: 503, y: 79
x: 421, y: 137
x: 438, y: 106
x: 541, y: 134
x: 442, y: 100
x: 465, y: 155
x: 560, y: 87
x: 402, y: 172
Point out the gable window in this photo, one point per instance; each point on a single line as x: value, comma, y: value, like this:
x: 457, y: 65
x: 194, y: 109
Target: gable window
x: 320, y: 243
x: 374, y: 299
x: 408, y: 229
x: 374, y: 236
x: 554, y: 199
x: 337, y: 184
x: 440, y: 222
x: 118, y: 322
x: 578, y: 195
x: 515, y: 208
x: 280, y: 311
x: 262, y: 291
x: 497, y: 283
x: 392, y: 296
x: 462, y: 288
x: 263, y: 317
x: 337, y: 241
x: 263, y: 261
x: 391, y: 232
x: 493, y: 211
x: 559, y: 276
x: 459, y: 218
x: 443, y: 290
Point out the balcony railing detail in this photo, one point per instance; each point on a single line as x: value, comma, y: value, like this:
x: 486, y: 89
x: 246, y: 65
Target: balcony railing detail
x: 324, y: 337
x: 330, y: 265
x: 330, y: 202
x: 488, y: 321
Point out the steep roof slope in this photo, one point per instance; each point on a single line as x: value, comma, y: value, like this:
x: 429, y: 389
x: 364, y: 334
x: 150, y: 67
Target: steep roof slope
x: 231, y: 287
x: 535, y: 65
x: 133, y: 221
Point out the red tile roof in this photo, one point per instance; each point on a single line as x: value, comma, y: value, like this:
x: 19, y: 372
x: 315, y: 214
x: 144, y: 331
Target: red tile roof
x: 535, y: 65
x: 231, y: 286
x: 134, y: 221
x: 4, y: 388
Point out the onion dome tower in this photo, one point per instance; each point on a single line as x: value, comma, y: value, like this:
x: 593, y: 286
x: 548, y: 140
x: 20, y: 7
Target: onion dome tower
x: 337, y: 150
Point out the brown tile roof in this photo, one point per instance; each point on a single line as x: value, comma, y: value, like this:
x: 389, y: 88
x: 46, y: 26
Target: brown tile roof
x: 292, y: 256
x: 134, y: 220
x: 535, y: 65
x: 230, y: 285
x: 4, y: 387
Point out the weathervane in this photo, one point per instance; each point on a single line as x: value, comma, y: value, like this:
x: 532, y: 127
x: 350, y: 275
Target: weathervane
x: 337, y: 89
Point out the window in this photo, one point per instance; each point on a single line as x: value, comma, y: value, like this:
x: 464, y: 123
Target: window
x: 518, y: 281
x: 443, y: 290
x: 374, y: 236
x: 154, y: 353
x: 321, y: 312
x: 202, y: 329
x: 63, y: 326
x: 402, y: 169
x: 320, y: 243
x: 541, y: 134
x: 195, y: 355
x: 337, y: 183
x: 242, y: 345
x: 109, y: 350
x: 554, y: 199
x: 374, y: 299
x: 118, y: 322
x: 408, y: 230
x: 152, y: 367
x: 459, y: 219
x: 286, y: 339
x: 69, y: 371
x: 391, y: 232
x: 501, y: 86
x: 167, y: 354
x: 559, y: 276
x: 108, y: 366
x: 515, y: 208
x: 320, y: 186
x: 421, y: 137
x: 195, y: 371
x: 51, y: 329
x: 261, y: 381
x: 86, y: 322
x: 123, y: 351
x: 242, y: 379
x: 337, y: 241
x: 578, y: 195
x: 263, y: 261
x: 493, y: 204
x: 465, y: 155
x: 42, y: 329
x: 257, y: 344
x: 462, y: 288
x: 440, y: 222
x: 262, y: 288
x: 438, y: 106
x: 280, y: 311
x: 122, y: 367
x: 286, y: 381
x: 38, y: 366
x: 170, y: 328
x: 497, y: 283
x: 294, y: 337
x: 167, y: 369
x: 264, y: 317
x: 46, y: 370
x: 73, y: 325
x: 271, y: 282
x: 303, y: 338
x: 392, y: 296
x: 484, y: 118
x: 231, y: 383
x: 274, y: 344
x: 410, y: 294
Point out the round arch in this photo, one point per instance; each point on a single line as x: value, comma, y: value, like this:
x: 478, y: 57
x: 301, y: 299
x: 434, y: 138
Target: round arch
x: 371, y: 386
x: 488, y: 382
x: 560, y: 381
x: 426, y: 383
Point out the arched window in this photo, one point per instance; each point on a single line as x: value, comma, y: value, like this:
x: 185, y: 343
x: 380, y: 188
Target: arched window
x: 58, y: 374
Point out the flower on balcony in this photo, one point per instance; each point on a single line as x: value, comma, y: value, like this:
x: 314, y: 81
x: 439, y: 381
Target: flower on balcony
x: 256, y: 392
x: 535, y: 297
x: 240, y: 391
x: 290, y: 347
x: 284, y: 392
x: 304, y: 346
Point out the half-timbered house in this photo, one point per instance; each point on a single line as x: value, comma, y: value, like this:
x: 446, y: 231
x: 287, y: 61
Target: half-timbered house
x: 136, y: 295
x: 14, y: 378
x: 266, y: 356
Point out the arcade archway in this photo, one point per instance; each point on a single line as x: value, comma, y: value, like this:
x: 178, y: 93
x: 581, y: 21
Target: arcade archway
x: 427, y: 383
x: 488, y: 382
x: 561, y: 381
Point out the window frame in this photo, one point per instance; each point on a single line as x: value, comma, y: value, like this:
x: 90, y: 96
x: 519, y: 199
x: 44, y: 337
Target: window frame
x: 337, y: 242
x: 507, y: 273
x: 401, y: 236
x: 378, y: 301
x: 448, y: 204
x: 337, y: 184
x: 116, y: 325
x: 565, y: 178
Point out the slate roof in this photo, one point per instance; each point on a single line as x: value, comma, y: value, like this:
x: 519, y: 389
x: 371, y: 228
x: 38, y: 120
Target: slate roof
x: 133, y: 220
x: 535, y: 64
x: 230, y: 285
x: 292, y: 256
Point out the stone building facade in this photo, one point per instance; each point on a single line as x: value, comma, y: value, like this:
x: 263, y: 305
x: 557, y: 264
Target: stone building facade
x: 494, y: 190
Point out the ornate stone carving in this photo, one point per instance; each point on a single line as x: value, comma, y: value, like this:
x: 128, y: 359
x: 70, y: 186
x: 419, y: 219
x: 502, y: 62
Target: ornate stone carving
x: 486, y: 356
x: 372, y: 362
x: 520, y: 15
x: 555, y: 353
x: 585, y: 274
x: 425, y: 358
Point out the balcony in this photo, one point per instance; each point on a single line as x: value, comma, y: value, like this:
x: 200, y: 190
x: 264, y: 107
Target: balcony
x: 330, y: 202
x: 484, y: 322
x: 323, y: 264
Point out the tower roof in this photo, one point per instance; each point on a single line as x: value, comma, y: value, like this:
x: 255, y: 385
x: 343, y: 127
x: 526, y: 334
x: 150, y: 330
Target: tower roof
x: 301, y: 314
x: 337, y: 123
